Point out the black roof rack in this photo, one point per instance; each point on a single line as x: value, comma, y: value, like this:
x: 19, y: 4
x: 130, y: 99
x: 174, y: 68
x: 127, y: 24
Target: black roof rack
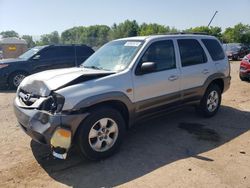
x: 184, y: 33
x: 194, y: 33
x: 67, y: 45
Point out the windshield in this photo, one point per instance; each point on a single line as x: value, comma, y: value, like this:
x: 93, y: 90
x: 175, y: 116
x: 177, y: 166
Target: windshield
x: 114, y: 56
x: 31, y: 52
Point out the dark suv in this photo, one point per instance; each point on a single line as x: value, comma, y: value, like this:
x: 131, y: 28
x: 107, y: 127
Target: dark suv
x: 235, y: 51
x: 40, y: 58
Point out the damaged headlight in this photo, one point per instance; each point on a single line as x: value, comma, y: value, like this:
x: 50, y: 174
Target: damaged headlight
x: 53, y: 104
x: 59, y: 101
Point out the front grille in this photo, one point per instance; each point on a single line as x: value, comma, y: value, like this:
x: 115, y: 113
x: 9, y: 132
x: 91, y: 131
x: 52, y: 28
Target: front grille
x: 27, y: 98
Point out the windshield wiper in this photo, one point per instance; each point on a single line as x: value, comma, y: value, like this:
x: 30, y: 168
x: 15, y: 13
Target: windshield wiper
x: 94, y: 67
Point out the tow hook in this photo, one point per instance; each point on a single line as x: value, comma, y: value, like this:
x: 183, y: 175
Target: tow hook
x: 60, y: 142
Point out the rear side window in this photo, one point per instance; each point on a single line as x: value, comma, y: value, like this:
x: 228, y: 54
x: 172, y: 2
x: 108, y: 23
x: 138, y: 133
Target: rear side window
x: 191, y: 52
x: 214, y: 48
x: 58, y: 52
x: 83, y: 51
x: 162, y: 53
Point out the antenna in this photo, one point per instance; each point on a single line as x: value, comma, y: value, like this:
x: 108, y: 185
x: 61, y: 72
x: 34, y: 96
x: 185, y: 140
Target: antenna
x: 212, y: 18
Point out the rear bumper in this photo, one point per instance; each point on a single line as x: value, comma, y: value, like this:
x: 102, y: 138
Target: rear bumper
x: 41, y: 125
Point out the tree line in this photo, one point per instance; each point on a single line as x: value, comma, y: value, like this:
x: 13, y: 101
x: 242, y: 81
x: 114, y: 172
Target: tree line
x: 97, y: 35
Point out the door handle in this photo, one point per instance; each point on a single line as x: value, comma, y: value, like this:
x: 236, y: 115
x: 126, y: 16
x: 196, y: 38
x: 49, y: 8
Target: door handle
x: 173, y: 78
x: 205, y: 71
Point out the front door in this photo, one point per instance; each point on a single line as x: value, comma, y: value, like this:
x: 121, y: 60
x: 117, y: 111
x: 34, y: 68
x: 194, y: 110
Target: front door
x: 161, y: 86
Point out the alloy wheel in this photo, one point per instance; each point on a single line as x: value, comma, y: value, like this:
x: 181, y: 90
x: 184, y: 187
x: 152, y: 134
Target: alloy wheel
x: 212, y: 101
x: 103, y: 134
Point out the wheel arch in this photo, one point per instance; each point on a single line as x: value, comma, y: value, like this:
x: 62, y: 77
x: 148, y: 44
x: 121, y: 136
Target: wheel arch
x: 219, y: 82
x: 115, y: 104
x: 218, y: 79
x: 116, y: 100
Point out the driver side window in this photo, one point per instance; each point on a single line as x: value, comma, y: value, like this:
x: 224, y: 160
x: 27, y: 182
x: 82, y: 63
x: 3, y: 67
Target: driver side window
x: 162, y: 53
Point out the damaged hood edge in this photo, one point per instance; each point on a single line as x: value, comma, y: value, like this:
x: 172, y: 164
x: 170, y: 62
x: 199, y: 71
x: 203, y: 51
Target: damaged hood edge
x: 44, y: 82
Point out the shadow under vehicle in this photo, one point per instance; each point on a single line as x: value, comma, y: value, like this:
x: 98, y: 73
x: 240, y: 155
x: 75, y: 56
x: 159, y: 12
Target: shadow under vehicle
x: 149, y: 146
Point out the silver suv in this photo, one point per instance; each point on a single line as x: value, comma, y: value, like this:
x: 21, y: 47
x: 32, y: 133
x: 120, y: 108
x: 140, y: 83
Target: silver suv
x: 124, y: 81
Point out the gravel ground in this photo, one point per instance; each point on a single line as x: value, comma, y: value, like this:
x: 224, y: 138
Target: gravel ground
x: 176, y: 150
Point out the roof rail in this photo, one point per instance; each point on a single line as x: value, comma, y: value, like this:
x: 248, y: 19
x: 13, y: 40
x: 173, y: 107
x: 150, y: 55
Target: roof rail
x: 183, y: 33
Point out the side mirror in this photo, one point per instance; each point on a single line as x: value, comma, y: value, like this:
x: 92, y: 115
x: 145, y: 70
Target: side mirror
x: 147, y: 67
x: 36, y: 57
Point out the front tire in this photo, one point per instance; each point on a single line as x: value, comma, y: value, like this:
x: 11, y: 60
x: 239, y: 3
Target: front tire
x: 210, y: 103
x: 101, y: 134
x: 15, y: 79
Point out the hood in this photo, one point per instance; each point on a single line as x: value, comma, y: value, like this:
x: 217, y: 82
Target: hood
x: 44, y: 82
x: 9, y: 61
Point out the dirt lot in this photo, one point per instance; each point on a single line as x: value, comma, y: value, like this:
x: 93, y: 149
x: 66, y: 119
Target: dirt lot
x: 177, y: 150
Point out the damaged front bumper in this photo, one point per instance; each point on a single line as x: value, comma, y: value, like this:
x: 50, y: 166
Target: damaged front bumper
x: 56, y: 130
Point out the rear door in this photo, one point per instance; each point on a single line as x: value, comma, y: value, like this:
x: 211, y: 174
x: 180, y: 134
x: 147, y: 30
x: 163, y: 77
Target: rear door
x: 195, y: 67
x: 217, y: 55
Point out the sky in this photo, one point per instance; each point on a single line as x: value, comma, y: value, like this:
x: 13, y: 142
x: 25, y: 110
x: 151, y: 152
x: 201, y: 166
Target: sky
x: 37, y: 17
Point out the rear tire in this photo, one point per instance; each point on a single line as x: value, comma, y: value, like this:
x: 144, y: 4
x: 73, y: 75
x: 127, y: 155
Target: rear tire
x: 243, y: 78
x: 101, y: 134
x: 210, y: 103
x: 15, y: 79
x: 235, y: 58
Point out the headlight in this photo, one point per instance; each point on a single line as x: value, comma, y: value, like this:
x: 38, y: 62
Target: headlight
x: 59, y: 101
x: 53, y: 103
x: 3, y: 65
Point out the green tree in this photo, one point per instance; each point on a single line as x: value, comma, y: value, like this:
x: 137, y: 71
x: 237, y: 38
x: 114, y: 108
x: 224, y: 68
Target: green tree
x: 94, y: 36
x: 52, y: 38
x: 29, y: 40
x: 44, y: 39
x: 240, y: 33
x: 215, y: 31
x: 6, y: 34
x: 72, y: 35
x: 154, y: 28
x: 126, y: 29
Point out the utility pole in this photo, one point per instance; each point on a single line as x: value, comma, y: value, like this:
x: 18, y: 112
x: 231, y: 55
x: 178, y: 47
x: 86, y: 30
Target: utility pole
x: 212, y: 18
